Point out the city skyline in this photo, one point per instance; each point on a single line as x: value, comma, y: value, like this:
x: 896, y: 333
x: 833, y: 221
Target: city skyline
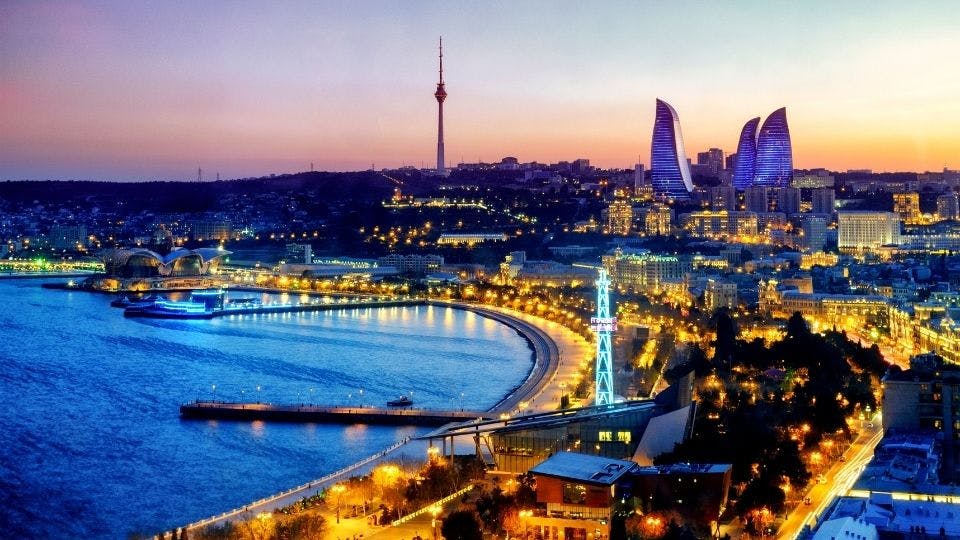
x: 92, y: 92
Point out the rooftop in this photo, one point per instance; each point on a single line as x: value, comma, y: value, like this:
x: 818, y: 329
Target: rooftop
x: 584, y: 468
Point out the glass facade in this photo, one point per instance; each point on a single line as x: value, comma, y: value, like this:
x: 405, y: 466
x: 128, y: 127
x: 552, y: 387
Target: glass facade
x: 746, y: 155
x: 669, y: 170
x: 774, y: 166
x: 615, y: 434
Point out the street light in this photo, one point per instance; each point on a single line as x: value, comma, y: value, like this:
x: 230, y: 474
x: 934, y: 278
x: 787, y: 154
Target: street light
x: 524, y: 514
x: 461, y: 401
x: 338, y: 489
x: 434, y: 511
x: 213, y: 388
x: 258, y: 393
x: 361, y: 397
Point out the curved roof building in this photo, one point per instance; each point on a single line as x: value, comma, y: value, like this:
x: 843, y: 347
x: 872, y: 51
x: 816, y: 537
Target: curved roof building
x: 144, y: 263
x: 774, y: 166
x: 669, y: 169
x: 746, y: 155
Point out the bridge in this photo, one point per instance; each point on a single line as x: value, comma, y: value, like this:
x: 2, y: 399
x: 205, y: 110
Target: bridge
x: 405, y: 416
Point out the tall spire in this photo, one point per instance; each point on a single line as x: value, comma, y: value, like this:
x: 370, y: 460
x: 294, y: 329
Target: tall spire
x: 440, y: 94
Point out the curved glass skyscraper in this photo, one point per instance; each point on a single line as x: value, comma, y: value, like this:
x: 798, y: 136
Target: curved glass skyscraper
x: 669, y: 170
x: 774, y: 166
x: 746, y: 155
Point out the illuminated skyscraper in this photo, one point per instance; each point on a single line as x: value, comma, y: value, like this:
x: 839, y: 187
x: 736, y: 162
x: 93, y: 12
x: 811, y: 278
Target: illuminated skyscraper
x: 774, y: 166
x: 440, y: 94
x: 746, y: 155
x: 669, y: 169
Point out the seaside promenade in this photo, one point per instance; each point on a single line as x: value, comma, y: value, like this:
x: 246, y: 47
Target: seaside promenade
x: 559, y: 355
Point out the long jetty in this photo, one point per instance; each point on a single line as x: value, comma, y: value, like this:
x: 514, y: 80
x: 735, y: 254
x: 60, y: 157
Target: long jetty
x: 275, y: 308
x: 405, y: 416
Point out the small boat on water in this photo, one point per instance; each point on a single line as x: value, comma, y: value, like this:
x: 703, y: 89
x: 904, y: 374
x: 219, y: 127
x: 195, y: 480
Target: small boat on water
x: 402, y: 401
x: 127, y: 302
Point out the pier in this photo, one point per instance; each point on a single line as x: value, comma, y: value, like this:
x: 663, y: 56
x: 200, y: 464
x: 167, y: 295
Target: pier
x: 272, y: 308
x: 408, y: 416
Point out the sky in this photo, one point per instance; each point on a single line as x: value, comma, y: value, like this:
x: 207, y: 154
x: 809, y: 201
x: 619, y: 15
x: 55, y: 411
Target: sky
x: 153, y: 90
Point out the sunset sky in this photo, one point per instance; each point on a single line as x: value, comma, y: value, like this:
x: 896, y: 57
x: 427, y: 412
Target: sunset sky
x: 133, y: 90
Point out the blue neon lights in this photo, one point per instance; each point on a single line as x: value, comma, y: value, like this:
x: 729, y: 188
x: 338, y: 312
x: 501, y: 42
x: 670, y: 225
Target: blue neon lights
x: 746, y: 155
x: 774, y: 166
x: 669, y: 170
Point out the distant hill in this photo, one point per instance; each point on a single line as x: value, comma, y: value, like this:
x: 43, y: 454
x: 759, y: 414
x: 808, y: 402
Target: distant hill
x: 189, y: 196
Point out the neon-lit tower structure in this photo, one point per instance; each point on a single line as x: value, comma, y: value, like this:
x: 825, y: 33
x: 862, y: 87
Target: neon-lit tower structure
x: 440, y: 94
x: 604, y: 325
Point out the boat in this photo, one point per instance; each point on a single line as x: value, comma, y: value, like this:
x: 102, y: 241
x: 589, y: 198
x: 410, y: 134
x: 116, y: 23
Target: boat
x: 402, y: 401
x: 127, y: 302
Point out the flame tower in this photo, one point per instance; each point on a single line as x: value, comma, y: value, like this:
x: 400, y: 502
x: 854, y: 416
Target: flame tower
x: 440, y: 94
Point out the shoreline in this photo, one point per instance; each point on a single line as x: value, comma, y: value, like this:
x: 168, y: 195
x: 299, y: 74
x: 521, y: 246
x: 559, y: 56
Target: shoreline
x: 548, y: 357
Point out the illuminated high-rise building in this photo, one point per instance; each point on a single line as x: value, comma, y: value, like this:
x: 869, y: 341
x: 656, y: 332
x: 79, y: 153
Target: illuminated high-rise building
x: 746, y: 160
x: 669, y: 168
x: 774, y: 167
x: 620, y: 217
x: 440, y: 94
x: 908, y: 206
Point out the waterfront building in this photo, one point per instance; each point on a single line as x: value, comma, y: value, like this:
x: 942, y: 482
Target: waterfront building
x: 757, y: 199
x: 948, y: 206
x: 620, y: 217
x: 831, y: 309
x: 723, y: 198
x: 865, y: 230
x: 657, y: 220
x: 579, y: 493
x: 814, y: 233
x: 669, y: 167
x: 418, y: 265
x: 908, y: 206
x: 298, y: 254
x: 746, y: 156
x: 823, y: 200
x: 140, y: 269
x: 774, y: 166
x: 722, y: 225
x: 643, y: 271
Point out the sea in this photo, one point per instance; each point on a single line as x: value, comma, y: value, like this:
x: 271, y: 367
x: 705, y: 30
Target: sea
x: 91, y: 441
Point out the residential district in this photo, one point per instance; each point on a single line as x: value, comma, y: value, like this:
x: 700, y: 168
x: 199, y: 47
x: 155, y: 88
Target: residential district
x: 779, y: 353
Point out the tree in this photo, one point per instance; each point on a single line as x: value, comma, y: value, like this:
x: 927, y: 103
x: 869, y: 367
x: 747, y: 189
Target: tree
x: 461, y: 525
x: 307, y: 525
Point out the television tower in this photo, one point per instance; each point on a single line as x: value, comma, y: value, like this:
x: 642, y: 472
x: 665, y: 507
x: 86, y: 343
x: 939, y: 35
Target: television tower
x: 440, y: 94
x: 604, y: 325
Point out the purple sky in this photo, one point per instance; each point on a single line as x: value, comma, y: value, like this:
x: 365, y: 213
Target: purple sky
x: 151, y: 90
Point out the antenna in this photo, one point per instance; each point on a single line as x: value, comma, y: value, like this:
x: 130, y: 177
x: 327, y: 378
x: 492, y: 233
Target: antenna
x: 218, y: 176
x: 441, y: 59
x: 199, y: 174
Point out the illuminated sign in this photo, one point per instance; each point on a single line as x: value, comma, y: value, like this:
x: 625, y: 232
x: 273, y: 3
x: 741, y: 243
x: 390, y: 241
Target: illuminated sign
x: 603, y: 324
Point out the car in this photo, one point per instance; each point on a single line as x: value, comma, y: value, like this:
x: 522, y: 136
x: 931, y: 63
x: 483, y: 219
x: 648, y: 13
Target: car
x: 821, y: 479
x: 870, y: 425
x: 808, y: 501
